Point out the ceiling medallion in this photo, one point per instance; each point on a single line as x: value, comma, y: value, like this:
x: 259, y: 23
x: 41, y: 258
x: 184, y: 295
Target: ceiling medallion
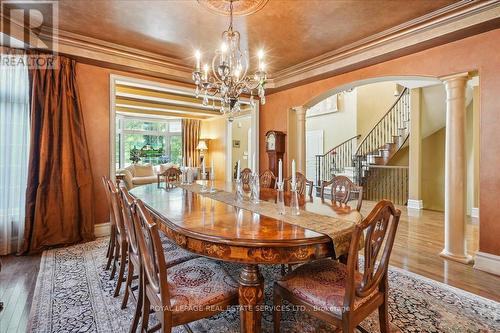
x: 240, y: 7
x: 225, y: 79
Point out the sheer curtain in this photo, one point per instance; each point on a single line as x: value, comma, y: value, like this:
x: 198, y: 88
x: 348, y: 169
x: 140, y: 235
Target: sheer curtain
x: 14, y: 151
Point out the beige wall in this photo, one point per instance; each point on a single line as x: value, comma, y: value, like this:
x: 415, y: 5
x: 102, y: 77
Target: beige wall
x: 215, y: 130
x: 337, y: 126
x: 240, y: 129
x: 373, y: 101
x: 433, y: 152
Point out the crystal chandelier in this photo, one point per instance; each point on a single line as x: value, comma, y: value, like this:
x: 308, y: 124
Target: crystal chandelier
x: 227, y: 78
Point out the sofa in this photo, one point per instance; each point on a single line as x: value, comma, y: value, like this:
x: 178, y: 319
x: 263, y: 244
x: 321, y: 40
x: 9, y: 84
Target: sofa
x: 141, y: 174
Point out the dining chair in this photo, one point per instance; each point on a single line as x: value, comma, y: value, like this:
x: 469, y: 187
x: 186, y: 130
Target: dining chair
x: 112, y: 237
x: 171, y: 175
x: 343, y: 190
x: 173, y: 253
x: 267, y: 179
x: 121, y: 246
x: 246, y: 178
x: 302, y: 184
x: 183, y: 293
x: 341, y: 294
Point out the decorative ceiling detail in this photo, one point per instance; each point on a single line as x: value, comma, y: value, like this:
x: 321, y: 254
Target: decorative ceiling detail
x: 240, y: 7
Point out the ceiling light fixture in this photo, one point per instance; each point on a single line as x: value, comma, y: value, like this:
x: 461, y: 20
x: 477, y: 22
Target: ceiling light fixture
x: 226, y: 79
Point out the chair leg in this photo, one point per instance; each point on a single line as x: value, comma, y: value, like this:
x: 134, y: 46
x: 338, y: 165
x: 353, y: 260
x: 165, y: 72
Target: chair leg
x: 138, y: 305
x: 128, y: 283
x: 145, y: 311
x: 383, y: 317
x: 278, y: 301
x: 115, y: 259
x: 121, y: 273
x: 111, y: 250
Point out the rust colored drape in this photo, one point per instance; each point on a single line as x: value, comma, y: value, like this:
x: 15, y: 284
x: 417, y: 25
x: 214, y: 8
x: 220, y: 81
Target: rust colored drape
x: 190, y: 138
x: 59, y: 195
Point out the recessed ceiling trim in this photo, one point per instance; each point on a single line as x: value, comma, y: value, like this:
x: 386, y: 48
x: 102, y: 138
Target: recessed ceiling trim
x: 164, y: 101
x: 452, y: 19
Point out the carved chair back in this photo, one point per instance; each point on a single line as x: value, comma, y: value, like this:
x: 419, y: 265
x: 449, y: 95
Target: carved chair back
x: 343, y: 190
x: 379, y: 230
x: 302, y: 184
x: 115, y: 208
x: 128, y: 211
x: 246, y: 177
x: 267, y: 179
x: 152, y: 255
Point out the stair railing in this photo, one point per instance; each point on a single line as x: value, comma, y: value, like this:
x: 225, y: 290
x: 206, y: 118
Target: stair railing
x: 388, y: 126
x: 335, y: 160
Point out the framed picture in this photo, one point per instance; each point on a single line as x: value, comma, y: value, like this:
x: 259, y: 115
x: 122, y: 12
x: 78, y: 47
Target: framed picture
x: 236, y: 143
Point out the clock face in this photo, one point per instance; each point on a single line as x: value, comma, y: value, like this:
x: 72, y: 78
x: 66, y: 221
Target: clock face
x: 271, y: 142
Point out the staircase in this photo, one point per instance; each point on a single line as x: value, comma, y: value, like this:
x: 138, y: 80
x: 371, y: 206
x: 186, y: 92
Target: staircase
x: 366, y: 163
x: 386, y: 138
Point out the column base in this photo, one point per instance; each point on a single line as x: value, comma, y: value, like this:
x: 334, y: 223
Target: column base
x: 464, y: 259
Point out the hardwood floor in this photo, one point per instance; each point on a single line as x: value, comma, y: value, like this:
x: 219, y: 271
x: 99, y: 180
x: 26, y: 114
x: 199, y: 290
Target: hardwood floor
x: 418, y: 243
x: 17, y: 285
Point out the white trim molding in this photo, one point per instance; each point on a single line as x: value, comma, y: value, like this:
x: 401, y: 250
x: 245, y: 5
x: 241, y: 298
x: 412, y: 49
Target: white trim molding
x: 415, y: 204
x: 474, y: 212
x: 487, y: 262
x: 102, y: 229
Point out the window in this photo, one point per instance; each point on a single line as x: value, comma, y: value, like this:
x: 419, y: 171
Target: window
x: 148, y: 141
x: 14, y: 152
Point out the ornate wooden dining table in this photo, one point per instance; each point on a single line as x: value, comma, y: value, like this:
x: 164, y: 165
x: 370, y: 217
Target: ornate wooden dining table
x: 219, y: 230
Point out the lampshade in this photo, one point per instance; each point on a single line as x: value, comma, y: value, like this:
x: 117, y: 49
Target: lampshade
x: 202, y: 145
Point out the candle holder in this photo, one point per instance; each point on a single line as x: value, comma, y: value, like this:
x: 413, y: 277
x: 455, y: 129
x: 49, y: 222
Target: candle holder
x: 183, y: 175
x: 238, y: 195
x: 280, y: 199
x: 204, y: 188
x: 189, y: 176
x: 212, y: 181
x: 255, y: 189
x: 294, y: 200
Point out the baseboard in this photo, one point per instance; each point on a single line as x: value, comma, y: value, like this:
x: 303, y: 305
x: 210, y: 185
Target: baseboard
x: 474, y: 212
x: 102, y: 229
x: 415, y: 204
x: 487, y: 262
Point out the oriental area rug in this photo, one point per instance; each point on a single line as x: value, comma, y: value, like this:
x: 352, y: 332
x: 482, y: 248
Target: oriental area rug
x: 74, y: 294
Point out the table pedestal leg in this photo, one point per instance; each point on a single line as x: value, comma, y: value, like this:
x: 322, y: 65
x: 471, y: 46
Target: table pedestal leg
x: 251, y: 296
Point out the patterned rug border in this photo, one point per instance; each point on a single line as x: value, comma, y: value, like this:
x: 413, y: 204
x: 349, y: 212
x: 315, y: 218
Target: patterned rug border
x: 47, y: 272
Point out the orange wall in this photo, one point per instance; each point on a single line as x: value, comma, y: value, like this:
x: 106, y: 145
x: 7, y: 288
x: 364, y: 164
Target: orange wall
x: 93, y: 87
x: 481, y: 53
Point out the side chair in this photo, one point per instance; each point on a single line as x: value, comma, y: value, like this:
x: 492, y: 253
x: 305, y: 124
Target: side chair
x: 340, y: 294
x: 302, y: 184
x: 183, y: 293
x: 343, y: 190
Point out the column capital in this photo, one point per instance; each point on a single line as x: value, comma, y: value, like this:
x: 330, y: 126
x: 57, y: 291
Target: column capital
x: 300, y: 109
x: 453, y: 77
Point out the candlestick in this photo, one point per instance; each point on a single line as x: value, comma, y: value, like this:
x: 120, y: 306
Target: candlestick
x: 238, y: 171
x: 198, y: 59
x: 294, y: 179
x: 254, y: 165
x: 280, y: 171
x: 205, y: 74
x: 203, y: 173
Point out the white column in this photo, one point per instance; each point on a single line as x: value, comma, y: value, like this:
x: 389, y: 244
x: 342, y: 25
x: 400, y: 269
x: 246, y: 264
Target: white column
x: 455, y: 170
x: 300, y: 112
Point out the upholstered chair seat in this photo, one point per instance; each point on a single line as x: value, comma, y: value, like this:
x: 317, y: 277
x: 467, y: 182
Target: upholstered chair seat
x: 199, y: 284
x: 174, y: 254
x: 322, y: 285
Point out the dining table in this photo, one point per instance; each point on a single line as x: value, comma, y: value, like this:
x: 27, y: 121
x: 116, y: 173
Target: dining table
x: 217, y: 226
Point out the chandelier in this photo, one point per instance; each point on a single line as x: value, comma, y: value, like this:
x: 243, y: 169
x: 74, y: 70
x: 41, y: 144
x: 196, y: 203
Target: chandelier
x: 226, y: 79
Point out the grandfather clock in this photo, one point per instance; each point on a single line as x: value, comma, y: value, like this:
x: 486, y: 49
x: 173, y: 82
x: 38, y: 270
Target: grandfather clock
x: 275, y: 148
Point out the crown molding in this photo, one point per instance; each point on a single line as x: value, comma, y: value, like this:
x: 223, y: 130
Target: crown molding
x: 459, y: 20
x: 456, y: 21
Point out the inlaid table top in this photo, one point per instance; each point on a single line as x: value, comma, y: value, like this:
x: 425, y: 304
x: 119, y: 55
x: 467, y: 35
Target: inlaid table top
x: 213, y: 226
x: 201, y: 216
